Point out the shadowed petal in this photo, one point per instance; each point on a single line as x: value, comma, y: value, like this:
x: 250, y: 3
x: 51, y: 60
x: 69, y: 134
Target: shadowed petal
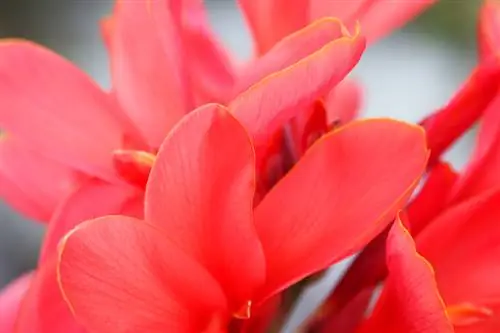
x: 91, y: 200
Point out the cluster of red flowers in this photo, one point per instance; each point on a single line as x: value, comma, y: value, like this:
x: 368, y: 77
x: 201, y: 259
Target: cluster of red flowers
x: 201, y: 196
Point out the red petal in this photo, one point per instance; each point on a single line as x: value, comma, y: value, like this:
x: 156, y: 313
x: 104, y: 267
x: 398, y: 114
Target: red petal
x: 340, y: 195
x: 290, y: 50
x: 11, y: 297
x: 33, y: 193
x: 149, y: 80
x: 432, y: 198
x: 462, y: 245
x: 481, y: 174
x: 210, y: 67
x: 385, y: 16
x: 279, y: 97
x: 489, y: 29
x: 204, y: 200
x: 50, y: 105
x: 271, y: 20
x: 43, y: 309
x: 144, y: 282
x: 344, y: 102
x: 450, y: 122
x: 92, y: 199
x: 410, y: 301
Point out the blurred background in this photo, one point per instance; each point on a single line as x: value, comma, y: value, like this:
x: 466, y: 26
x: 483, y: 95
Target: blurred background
x: 406, y: 76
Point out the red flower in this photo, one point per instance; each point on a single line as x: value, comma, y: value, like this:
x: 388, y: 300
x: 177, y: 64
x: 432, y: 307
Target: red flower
x: 205, y: 255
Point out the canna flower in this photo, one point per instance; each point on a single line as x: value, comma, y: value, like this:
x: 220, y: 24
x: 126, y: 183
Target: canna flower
x: 262, y: 108
x: 205, y: 257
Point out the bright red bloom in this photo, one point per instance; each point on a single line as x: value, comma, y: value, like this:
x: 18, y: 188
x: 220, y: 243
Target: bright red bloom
x: 205, y: 255
x: 272, y: 20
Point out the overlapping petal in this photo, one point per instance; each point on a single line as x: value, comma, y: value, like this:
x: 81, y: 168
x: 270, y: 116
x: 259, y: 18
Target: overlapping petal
x: 148, y: 285
x: 92, y: 199
x: 410, y: 301
x: 329, y: 205
x: 267, y: 105
x: 35, y: 194
x: 200, y: 193
x: 270, y: 21
x: 290, y: 50
x: 70, y: 120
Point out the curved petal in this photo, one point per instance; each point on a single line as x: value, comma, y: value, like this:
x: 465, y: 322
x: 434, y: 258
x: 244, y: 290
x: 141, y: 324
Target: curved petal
x: 11, y: 297
x: 489, y: 30
x: 432, y: 198
x: 149, y: 81
x: 344, y: 102
x: 43, y: 309
x: 91, y: 200
x: 31, y: 183
x: 340, y: 195
x: 481, y: 173
x: 201, y: 192
x: 144, y: 282
x: 55, y: 109
x: 290, y: 50
x: 462, y: 245
x: 271, y: 20
x: 267, y: 105
x: 410, y: 301
x: 469, y: 103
